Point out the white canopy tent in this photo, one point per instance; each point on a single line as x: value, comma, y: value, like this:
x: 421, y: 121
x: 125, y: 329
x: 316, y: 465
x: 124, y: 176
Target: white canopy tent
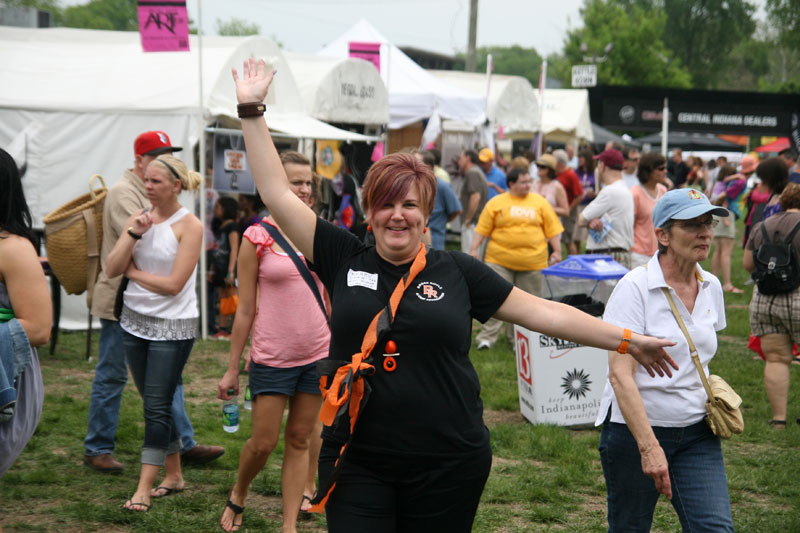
x: 414, y: 93
x: 78, y: 98
x: 512, y: 101
x: 345, y: 90
x: 72, y: 102
x: 565, y: 115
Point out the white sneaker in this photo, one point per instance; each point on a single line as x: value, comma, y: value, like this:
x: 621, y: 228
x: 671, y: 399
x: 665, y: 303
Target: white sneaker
x: 484, y: 345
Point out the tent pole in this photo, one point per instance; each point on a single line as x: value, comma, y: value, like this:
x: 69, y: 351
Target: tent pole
x: 489, y: 70
x: 542, y: 83
x: 664, y: 127
x: 202, y: 162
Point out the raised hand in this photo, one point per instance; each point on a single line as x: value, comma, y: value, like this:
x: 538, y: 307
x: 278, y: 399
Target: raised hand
x: 140, y: 221
x: 254, y: 83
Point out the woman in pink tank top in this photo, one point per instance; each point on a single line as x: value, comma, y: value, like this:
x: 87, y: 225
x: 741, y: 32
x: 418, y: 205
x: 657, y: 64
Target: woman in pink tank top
x: 290, y: 333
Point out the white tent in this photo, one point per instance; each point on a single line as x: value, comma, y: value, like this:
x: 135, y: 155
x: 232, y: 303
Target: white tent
x: 512, y: 101
x: 72, y: 102
x: 565, y: 115
x: 414, y: 93
x: 345, y: 90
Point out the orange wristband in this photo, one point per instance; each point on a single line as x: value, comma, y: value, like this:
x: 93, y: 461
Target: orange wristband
x: 626, y: 341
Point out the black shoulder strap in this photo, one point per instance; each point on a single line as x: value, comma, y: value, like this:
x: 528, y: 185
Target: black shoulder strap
x: 787, y: 240
x: 301, y: 266
x: 790, y: 238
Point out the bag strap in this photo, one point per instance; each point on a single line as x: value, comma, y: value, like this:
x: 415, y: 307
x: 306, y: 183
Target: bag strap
x: 791, y: 235
x: 695, y: 357
x: 301, y: 266
x: 346, y: 391
x: 92, y: 253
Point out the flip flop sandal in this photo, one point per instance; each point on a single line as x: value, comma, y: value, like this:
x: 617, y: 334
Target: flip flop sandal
x: 167, y: 491
x: 305, y: 513
x: 140, y: 504
x: 237, y: 511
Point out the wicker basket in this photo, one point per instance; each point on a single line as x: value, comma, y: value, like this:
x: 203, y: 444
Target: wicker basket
x: 74, y: 234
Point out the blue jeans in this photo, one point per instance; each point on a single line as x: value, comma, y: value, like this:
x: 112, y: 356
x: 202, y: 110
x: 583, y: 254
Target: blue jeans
x: 696, y: 473
x: 110, y: 377
x: 156, y: 367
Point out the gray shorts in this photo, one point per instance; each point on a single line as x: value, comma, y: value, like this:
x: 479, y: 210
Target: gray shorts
x: 723, y: 230
x: 569, y: 224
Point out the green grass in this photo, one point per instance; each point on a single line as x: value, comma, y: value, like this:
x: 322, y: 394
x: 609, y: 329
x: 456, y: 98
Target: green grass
x: 544, y: 478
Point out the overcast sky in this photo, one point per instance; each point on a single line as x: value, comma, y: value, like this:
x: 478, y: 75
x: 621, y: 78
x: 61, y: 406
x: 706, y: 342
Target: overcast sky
x: 436, y: 25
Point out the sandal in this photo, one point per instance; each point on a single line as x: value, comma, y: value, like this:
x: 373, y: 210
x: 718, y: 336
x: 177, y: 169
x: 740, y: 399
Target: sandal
x: 237, y: 511
x: 778, y: 424
x: 305, y: 513
x: 167, y: 491
x: 128, y: 506
x: 733, y: 290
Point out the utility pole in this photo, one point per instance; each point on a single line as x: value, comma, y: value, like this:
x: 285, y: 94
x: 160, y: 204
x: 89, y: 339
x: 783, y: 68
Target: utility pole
x: 473, y: 35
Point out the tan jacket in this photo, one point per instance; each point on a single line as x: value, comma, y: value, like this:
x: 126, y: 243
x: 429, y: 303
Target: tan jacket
x: 125, y: 198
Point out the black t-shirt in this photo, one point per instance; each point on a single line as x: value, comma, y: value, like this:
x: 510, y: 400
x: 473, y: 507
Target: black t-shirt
x: 430, y: 405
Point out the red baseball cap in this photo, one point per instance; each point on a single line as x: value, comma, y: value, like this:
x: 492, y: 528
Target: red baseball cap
x: 153, y: 143
x: 611, y: 158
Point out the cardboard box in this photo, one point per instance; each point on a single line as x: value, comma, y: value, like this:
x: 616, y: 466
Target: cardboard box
x: 559, y: 382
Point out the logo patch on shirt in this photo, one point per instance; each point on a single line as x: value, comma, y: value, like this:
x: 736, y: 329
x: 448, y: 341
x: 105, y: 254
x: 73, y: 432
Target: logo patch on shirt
x: 429, y: 291
x: 357, y: 278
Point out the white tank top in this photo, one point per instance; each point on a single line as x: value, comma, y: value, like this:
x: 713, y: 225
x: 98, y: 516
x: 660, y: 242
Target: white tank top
x: 155, y: 253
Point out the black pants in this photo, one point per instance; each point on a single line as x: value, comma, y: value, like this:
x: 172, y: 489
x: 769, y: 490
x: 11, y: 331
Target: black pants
x: 391, y: 494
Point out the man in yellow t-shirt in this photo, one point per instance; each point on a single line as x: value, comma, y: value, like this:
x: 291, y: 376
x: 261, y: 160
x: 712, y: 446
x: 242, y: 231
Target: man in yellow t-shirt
x: 520, y: 224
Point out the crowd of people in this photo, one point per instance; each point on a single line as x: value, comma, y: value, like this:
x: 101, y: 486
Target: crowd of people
x: 385, y: 319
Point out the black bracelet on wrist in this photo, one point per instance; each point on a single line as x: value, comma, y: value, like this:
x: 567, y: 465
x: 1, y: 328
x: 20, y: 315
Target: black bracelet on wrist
x: 133, y: 234
x: 251, y: 109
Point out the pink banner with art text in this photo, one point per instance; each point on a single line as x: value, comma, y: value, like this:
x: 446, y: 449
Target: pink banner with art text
x: 367, y: 51
x: 163, y: 26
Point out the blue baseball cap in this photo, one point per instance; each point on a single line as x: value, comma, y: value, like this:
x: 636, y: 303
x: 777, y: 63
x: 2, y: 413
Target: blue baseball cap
x: 683, y: 204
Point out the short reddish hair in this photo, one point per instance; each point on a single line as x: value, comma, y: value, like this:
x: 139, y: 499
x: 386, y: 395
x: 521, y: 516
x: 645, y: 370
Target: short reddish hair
x: 391, y: 178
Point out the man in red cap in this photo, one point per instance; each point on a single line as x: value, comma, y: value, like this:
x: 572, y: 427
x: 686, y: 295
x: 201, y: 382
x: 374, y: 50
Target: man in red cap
x: 111, y: 373
x: 610, y: 215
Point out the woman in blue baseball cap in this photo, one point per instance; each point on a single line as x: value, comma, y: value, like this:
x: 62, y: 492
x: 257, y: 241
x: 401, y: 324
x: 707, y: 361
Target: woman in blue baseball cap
x: 655, y: 439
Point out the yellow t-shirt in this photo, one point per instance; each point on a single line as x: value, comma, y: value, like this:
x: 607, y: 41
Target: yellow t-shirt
x: 518, y: 229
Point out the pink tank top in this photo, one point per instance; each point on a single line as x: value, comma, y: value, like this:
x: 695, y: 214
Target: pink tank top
x: 289, y: 328
x: 548, y: 190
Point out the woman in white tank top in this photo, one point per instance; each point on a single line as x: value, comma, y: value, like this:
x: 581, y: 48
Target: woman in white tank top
x: 158, y: 254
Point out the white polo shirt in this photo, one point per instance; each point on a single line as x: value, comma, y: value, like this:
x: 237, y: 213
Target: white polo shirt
x: 638, y: 304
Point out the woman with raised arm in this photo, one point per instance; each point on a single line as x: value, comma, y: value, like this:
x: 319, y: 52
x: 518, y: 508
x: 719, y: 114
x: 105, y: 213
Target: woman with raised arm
x: 418, y: 457
x: 158, y: 254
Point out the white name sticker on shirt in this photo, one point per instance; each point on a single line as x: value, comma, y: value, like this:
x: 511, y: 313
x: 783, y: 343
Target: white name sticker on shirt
x: 357, y: 278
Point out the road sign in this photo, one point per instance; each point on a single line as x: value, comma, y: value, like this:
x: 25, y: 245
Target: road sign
x: 584, y: 75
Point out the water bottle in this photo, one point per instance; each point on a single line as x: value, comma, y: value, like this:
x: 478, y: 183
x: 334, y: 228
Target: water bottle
x: 230, y: 413
x: 248, y: 404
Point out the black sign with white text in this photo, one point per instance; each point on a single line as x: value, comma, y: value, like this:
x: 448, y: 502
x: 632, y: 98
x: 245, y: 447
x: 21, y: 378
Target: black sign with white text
x: 737, y: 113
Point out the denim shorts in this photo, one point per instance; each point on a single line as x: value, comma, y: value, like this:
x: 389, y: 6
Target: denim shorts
x: 273, y: 380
